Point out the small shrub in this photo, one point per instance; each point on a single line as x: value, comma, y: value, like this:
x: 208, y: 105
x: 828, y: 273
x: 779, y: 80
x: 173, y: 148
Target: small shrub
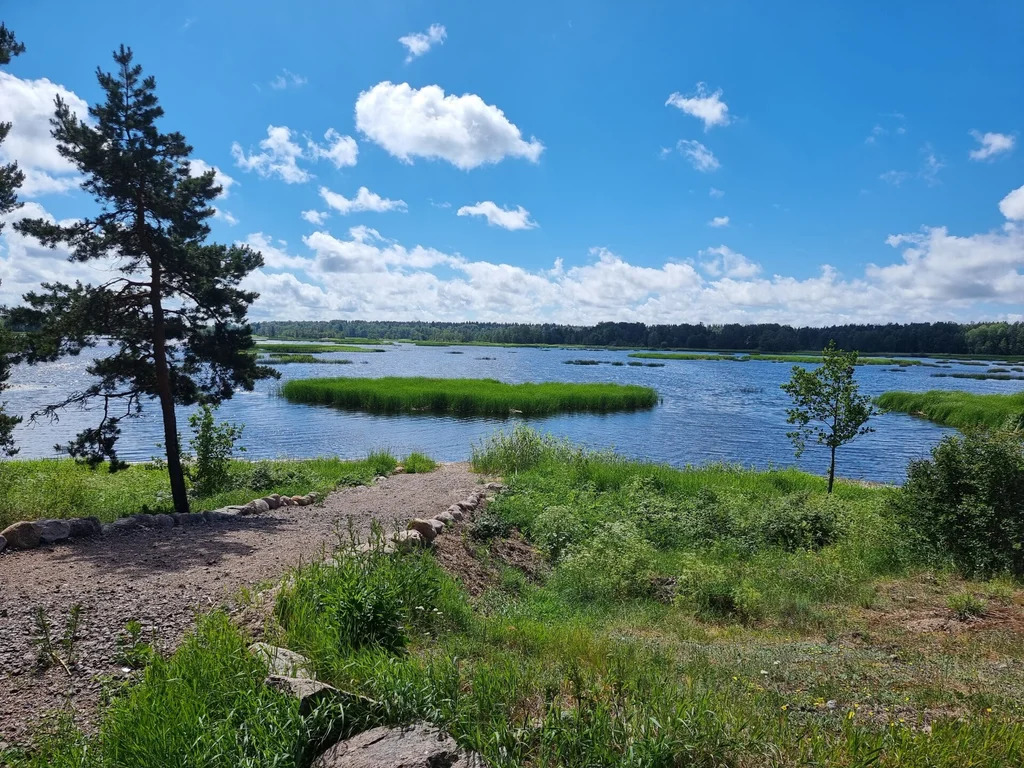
x: 966, y: 606
x: 616, y: 563
x: 716, y: 592
x: 418, y: 463
x: 213, y: 446
x: 794, y: 523
x: 381, y: 462
x: 490, y: 525
x: 556, y: 529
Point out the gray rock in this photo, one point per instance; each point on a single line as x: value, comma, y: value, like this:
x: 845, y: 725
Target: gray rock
x: 424, y: 528
x: 3, y: 543
x: 188, y: 518
x: 466, y: 505
x: 494, y: 486
x: 286, y: 501
x: 385, y: 547
x: 84, y: 526
x: 219, y: 516
x: 457, y: 514
x: 310, y: 498
x: 437, y: 525
x: 21, y: 535
x: 258, y: 506
x: 311, y: 693
x: 399, y: 470
x: 419, y: 745
x: 409, y: 540
x: 445, y: 517
x: 158, y: 521
x: 271, y: 502
x: 52, y: 531
x: 281, y: 661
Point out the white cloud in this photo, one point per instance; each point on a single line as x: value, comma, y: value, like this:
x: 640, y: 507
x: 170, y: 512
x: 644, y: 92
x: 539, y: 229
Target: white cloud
x: 896, y: 178
x: 28, y: 105
x: 365, y: 200
x: 930, y: 166
x: 340, y: 150
x: 225, y: 216
x: 700, y: 157
x: 315, y: 217
x: 287, y: 79
x: 506, y: 218
x: 281, y: 154
x: 719, y: 221
x: 991, y: 144
x: 722, y: 261
x: 278, y: 158
x: 715, y: 192
x: 418, y: 43
x: 424, y: 122
x: 199, y: 167
x: 709, y: 108
x: 1012, y: 206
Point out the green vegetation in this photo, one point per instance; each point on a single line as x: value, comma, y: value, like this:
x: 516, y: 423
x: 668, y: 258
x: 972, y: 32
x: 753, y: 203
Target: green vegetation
x: 311, y: 349
x: 962, y: 410
x: 993, y: 373
x: 277, y: 358
x: 810, y: 359
x: 467, y: 396
x: 418, y: 463
x: 63, y: 488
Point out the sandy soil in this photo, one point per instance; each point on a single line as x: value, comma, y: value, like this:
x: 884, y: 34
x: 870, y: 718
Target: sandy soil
x: 161, y: 578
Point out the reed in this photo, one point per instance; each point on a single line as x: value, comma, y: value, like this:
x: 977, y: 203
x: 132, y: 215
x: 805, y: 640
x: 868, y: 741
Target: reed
x: 284, y: 359
x: 962, y: 410
x: 467, y: 397
x: 312, y: 349
x: 810, y: 359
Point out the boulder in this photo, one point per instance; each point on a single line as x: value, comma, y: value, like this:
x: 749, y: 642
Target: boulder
x: 492, y: 486
x: 399, y: 470
x: 21, y: 535
x: 188, y: 518
x: 84, y: 526
x: 466, y: 505
x: 281, y: 661
x: 123, y: 524
x: 300, y: 501
x: 406, y: 541
x: 457, y: 514
x: 258, y: 506
x: 445, y: 517
x: 271, y: 502
x: 437, y: 525
x: 286, y: 501
x: 423, y: 527
x: 219, y: 516
x: 420, y: 745
x: 386, y: 547
x: 158, y: 521
x: 52, y: 531
x: 311, y: 693
x: 3, y: 543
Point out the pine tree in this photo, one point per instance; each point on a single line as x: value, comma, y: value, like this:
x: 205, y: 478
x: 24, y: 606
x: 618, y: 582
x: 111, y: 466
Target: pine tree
x: 174, y: 314
x: 10, y: 179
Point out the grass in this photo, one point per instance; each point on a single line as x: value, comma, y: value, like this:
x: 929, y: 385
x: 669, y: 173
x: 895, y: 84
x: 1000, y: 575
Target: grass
x: 962, y: 410
x: 418, y: 463
x: 311, y: 349
x: 290, y: 357
x: 811, y: 359
x: 42, y: 488
x: 465, y: 397
x: 711, y: 617
x: 998, y: 374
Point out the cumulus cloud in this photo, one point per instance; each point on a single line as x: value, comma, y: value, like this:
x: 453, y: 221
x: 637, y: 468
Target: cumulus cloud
x: 226, y: 216
x: 506, y: 218
x: 365, y: 200
x: 719, y: 221
x: 199, y: 167
x: 722, y: 261
x: 708, y: 108
x: 991, y: 144
x: 418, y: 43
x: 280, y: 155
x: 1012, y: 206
x: 896, y: 178
x: 424, y: 122
x: 287, y: 79
x: 700, y: 157
x: 29, y: 105
x: 715, y: 192
x: 315, y: 217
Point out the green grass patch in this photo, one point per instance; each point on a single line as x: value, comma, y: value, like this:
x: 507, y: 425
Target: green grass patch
x: 278, y: 358
x: 962, y: 410
x: 810, y: 359
x: 997, y: 374
x: 466, y: 397
x: 418, y: 463
x: 41, y: 488
x: 312, y: 349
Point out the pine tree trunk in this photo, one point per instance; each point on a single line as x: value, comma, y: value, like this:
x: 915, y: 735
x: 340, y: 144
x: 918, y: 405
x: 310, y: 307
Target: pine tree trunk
x: 832, y: 470
x: 179, y: 493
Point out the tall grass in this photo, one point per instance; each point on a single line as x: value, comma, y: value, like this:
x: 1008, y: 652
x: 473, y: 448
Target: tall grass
x: 312, y: 349
x: 278, y: 358
x: 962, y: 410
x: 467, y: 396
x: 810, y: 359
x: 41, y: 488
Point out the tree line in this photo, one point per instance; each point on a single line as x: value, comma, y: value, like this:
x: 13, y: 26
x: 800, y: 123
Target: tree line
x: 911, y: 338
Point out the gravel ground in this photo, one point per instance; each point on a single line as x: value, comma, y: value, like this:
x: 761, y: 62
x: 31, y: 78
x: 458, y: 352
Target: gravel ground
x: 162, y: 578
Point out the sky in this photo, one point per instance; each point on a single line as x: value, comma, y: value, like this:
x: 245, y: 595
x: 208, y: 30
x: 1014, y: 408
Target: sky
x: 802, y: 162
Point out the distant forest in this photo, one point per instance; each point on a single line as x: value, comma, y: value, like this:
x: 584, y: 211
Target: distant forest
x: 911, y: 338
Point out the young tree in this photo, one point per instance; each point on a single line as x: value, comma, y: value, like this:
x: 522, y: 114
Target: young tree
x: 173, y: 314
x: 827, y: 404
x: 11, y: 178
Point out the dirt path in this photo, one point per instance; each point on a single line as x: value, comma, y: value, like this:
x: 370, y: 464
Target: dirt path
x: 163, y: 577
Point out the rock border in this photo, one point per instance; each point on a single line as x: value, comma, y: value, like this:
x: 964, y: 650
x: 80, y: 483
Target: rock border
x: 30, y: 534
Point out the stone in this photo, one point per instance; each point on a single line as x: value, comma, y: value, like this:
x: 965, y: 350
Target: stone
x: 3, y: 543
x: 399, y: 470
x: 286, y: 501
x: 311, y: 693
x: 406, y: 541
x: 123, y: 524
x: 437, y: 525
x: 158, y: 521
x: 271, y: 502
x: 466, y: 505
x: 445, y: 517
x: 492, y: 486
x: 52, y: 531
x: 258, y: 506
x: 423, y: 527
x: 219, y: 516
x: 457, y: 514
x: 310, y: 498
x: 21, y: 535
x: 419, y: 745
x: 297, y: 500
x: 281, y: 661
x: 84, y: 526
x: 385, y: 547
x: 187, y: 518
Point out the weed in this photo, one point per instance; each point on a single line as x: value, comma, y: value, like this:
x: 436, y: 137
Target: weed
x: 965, y: 606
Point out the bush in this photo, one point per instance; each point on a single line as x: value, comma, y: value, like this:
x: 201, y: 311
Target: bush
x: 490, y: 525
x: 214, y: 446
x: 616, y: 563
x: 795, y: 523
x: 556, y: 529
x: 965, y: 502
x: 417, y: 463
x: 715, y: 591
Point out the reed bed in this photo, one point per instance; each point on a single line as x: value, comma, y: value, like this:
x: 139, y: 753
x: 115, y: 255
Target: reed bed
x: 291, y: 357
x: 991, y: 375
x: 810, y: 359
x: 312, y: 349
x: 468, y: 397
x: 962, y: 410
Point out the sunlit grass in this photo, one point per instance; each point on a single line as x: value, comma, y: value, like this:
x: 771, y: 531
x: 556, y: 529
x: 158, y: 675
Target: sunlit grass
x: 312, y: 349
x: 956, y: 408
x: 746, y: 358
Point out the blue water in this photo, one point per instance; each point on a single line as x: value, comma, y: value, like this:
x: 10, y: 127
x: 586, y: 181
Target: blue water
x: 709, y: 411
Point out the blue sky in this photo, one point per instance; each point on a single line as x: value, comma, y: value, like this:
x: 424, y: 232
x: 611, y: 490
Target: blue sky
x: 835, y: 137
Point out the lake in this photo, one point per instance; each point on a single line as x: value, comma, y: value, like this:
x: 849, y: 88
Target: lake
x: 709, y: 411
